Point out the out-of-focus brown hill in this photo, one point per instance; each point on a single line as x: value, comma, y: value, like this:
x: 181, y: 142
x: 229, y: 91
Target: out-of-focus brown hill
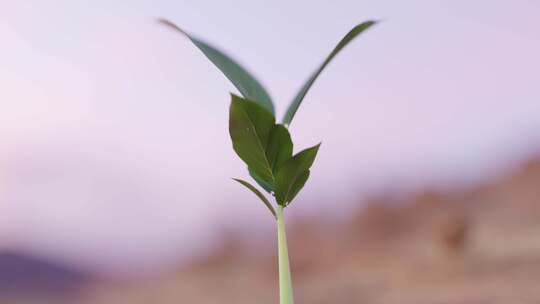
x: 479, y: 245
x: 475, y: 246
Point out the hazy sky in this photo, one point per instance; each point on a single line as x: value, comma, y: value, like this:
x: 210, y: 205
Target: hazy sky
x: 113, y: 130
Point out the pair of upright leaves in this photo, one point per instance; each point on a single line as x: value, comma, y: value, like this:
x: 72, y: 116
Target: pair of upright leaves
x: 265, y: 146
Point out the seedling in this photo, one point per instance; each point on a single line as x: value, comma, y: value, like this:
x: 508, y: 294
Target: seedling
x: 266, y: 146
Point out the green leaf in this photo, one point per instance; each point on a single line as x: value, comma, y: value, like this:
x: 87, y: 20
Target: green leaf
x: 295, y: 104
x: 291, y: 177
x: 278, y: 150
x: 298, y: 185
x: 249, y: 126
x: 280, y: 147
x: 268, y: 187
x: 248, y: 86
x: 259, y: 194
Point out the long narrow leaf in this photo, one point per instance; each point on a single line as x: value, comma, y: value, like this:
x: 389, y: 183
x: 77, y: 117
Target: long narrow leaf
x: 248, y: 86
x: 295, y: 104
x: 258, y: 193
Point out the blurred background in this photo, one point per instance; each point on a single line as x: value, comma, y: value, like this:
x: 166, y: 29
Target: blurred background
x: 115, y: 159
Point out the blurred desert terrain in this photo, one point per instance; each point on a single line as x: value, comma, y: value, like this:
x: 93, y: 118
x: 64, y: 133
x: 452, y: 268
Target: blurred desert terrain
x: 478, y: 245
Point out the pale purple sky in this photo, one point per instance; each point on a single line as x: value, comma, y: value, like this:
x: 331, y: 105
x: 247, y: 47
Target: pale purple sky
x: 113, y: 130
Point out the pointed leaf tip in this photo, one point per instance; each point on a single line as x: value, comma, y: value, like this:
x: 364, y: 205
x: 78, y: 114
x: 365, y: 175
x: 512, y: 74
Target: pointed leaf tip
x: 171, y: 25
x: 244, y: 81
x: 297, y: 100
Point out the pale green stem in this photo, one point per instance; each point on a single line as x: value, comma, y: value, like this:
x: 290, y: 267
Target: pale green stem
x: 285, y: 284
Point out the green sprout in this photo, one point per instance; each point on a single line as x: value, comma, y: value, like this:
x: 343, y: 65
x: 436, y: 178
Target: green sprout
x: 266, y: 146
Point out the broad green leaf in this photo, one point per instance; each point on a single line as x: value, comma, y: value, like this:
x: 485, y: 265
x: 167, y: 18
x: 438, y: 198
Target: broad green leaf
x: 248, y: 86
x: 249, y: 126
x: 298, y: 185
x: 295, y: 104
x: 259, y: 195
x: 265, y: 185
x: 293, y: 174
x: 280, y: 147
x: 278, y: 150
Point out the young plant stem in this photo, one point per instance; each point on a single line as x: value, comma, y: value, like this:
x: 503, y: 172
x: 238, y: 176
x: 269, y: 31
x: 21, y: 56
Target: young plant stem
x: 285, y: 284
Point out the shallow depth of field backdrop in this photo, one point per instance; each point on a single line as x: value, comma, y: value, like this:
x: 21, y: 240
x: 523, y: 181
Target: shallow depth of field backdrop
x: 115, y: 160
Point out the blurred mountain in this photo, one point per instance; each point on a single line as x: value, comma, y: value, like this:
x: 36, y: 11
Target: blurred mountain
x: 471, y: 246
x: 24, y: 277
x: 475, y: 245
